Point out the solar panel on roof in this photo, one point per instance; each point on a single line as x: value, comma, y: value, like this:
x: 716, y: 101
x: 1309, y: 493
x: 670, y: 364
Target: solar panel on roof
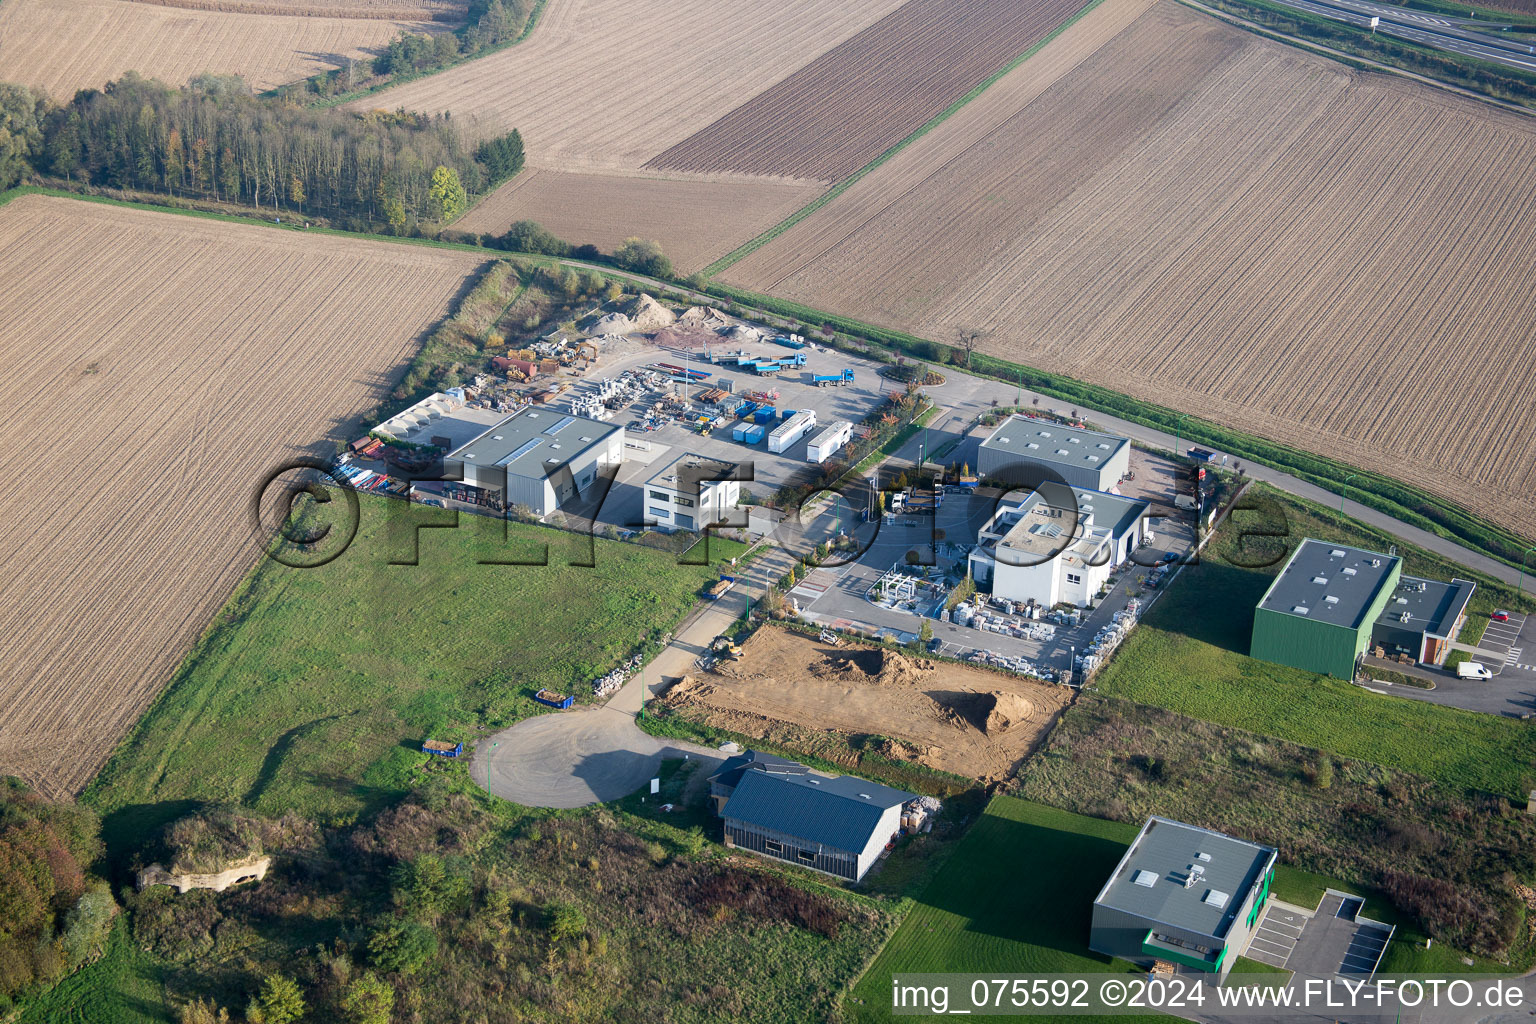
x: 526, y: 447
x: 567, y: 421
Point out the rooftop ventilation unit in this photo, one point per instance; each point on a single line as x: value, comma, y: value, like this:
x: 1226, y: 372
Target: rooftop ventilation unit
x: 1203, y: 856
x: 1032, y: 445
x: 1350, y: 571
x: 1404, y: 617
x: 1300, y: 609
x: 1104, y: 446
x: 1145, y: 879
x: 1375, y: 563
x: 1336, y: 553
x: 1319, y: 579
x: 1045, y: 433
x: 1423, y: 586
x: 1215, y: 898
x: 1074, y: 440
x: 1331, y: 599
x: 1193, y: 878
x: 1061, y: 451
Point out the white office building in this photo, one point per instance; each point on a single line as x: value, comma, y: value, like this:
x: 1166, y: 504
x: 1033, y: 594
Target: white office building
x: 1058, y: 545
x: 535, y: 458
x: 688, y: 493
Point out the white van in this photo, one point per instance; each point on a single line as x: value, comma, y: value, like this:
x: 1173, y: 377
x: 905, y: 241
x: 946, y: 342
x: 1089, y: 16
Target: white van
x: 1473, y: 670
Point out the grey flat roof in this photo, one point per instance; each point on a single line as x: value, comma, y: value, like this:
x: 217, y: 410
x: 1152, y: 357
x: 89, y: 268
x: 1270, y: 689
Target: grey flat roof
x: 1040, y: 441
x: 840, y: 812
x: 1114, y: 512
x: 730, y: 772
x: 525, y: 441
x: 1432, y: 607
x: 1167, y: 850
x: 1351, y: 576
x: 712, y: 469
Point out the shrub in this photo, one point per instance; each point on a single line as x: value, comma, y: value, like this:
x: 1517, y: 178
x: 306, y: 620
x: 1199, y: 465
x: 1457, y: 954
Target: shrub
x: 642, y: 257
x: 402, y: 947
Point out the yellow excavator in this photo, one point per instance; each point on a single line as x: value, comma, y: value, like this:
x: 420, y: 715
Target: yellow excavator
x: 723, y: 647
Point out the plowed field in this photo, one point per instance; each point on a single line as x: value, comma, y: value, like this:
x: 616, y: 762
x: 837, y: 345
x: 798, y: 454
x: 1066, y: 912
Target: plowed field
x: 852, y: 103
x: 611, y: 83
x: 695, y: 220
x: 1210, y: 220
x: 64, y: 45
x: 156, y: 367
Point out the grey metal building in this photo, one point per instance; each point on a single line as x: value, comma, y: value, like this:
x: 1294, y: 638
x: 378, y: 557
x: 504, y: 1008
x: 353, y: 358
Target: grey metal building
x: 536, y: 458
x: 1185, y: 895
x: 1422, y: 617
x: 1022, y: 450
x: 838, y: 825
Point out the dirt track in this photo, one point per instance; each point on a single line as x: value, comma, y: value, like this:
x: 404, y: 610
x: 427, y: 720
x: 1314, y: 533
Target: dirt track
x: 950, y: 717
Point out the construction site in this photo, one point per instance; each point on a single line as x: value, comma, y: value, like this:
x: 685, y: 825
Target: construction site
x: 834, y: 697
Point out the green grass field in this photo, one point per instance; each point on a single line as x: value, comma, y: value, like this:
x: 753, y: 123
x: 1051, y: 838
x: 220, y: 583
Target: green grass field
x: 313, y: 689
x: 1190, y: 655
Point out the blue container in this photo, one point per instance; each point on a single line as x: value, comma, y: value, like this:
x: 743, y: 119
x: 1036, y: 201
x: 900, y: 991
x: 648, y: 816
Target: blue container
x: 754, y: 434
x: 763, y: 415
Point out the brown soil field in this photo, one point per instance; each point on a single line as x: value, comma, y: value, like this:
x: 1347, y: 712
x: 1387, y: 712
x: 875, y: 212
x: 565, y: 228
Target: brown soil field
x: 61, y: 46
x: 957, y: 719
x: 157, y: 367
x: 695, y: 220
x: 1209, y: 220
x: 852, y: 103
x: 399, y: 10
x: 610, y: 83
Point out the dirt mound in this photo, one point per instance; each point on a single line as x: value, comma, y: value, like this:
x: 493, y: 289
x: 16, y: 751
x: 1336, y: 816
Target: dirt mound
x: 649, y: 315
x: 695, y: 315
x: 612, y: 323
x: 993, y: 713
x: 874, y: 667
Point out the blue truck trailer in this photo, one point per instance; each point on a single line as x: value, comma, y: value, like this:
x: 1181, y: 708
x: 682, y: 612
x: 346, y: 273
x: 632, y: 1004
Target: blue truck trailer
x: 822, y: 380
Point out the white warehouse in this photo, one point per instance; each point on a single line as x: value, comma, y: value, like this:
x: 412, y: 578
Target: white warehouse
x: 830, y: 441
x: 688, y: 493
x: 1057, y: 550
x: 791, y: 430
x: 1021, y: 448
x: 536, y: 458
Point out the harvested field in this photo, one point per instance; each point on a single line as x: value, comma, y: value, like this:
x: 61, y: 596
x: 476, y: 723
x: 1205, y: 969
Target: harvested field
x: 1213, y: 221
x: 157, y: 366
x: 855, y: 101
x: 398, y: 10
x: 611, y: 83
x: 696, y: 221
x: 950, y: 717
x: 61, y: 46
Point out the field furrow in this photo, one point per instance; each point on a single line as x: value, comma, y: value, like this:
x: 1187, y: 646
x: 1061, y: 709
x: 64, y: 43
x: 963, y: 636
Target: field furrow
x: 156, y: 368
x: 1209, y: 220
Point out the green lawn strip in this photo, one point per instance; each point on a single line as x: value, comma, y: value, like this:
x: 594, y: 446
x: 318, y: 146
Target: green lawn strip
x: 1190, y: 655
x: 898, y: 439
x: 742, y: 251
x: 312, y: 690
x: 123, y: 987
x: 1015, y: 897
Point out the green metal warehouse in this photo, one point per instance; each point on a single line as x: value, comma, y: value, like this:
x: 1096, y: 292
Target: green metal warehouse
x: 1318, y: 613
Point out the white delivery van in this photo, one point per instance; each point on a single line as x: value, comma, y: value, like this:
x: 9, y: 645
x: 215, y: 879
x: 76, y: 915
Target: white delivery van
x: 1473, y: 670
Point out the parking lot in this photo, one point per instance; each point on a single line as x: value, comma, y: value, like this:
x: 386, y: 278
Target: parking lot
x: 1330, y: 941
x: 1509, y: 638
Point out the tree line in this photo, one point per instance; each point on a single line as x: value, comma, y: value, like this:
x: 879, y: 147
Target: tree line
x: 214, y: 140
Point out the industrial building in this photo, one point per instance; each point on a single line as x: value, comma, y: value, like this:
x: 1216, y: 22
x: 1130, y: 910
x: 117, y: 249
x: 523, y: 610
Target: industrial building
x: 1058, y: 545
x: 1319, y: 612
x: 689, y: 493
x: 1023, y: 451
x: 1422, y: 619
x: 1184, y: 895
x: 780, y: 809
x: 535, y: 458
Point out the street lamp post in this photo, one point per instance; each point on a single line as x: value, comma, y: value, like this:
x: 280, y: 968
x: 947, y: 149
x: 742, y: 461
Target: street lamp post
x: 1178, y: 427
x: 1345, y: 489
x: 1520, y: 588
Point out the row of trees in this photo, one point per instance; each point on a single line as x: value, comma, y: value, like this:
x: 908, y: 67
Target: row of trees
x: 215, y: 140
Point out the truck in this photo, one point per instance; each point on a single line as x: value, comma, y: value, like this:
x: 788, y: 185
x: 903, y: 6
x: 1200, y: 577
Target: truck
x: 791, y: 430
x: 555, y: 700
x: 442, y: 748
x: 829, y: 442
x: 720, y: 587
x: 838, y: 380
x: 1473, y: 670
x: 1202, y: 455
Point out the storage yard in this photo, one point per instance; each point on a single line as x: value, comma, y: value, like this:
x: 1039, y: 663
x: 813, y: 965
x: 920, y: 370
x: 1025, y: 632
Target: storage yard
x: 60, y: 46
x: 950, y: 717
x: 696, y: 220
x: 158, y: 367
x: 1331, y: 293
x: 606, y: 84
x: 908, y: 67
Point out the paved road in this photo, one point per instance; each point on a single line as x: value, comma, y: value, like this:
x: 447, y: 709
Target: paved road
x: 1509, y: 650
x: 1429, y: 30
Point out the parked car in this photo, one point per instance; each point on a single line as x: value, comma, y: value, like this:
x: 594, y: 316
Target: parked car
x: 1500, y: 616
x: 1473, y: 670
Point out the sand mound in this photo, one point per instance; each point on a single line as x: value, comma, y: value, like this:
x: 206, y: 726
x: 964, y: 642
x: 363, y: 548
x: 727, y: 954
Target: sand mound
x: 702, y: 315
x: 992, y: 713
x: 612, y: 323
x: 649, y: 315
x: 872, y: 668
